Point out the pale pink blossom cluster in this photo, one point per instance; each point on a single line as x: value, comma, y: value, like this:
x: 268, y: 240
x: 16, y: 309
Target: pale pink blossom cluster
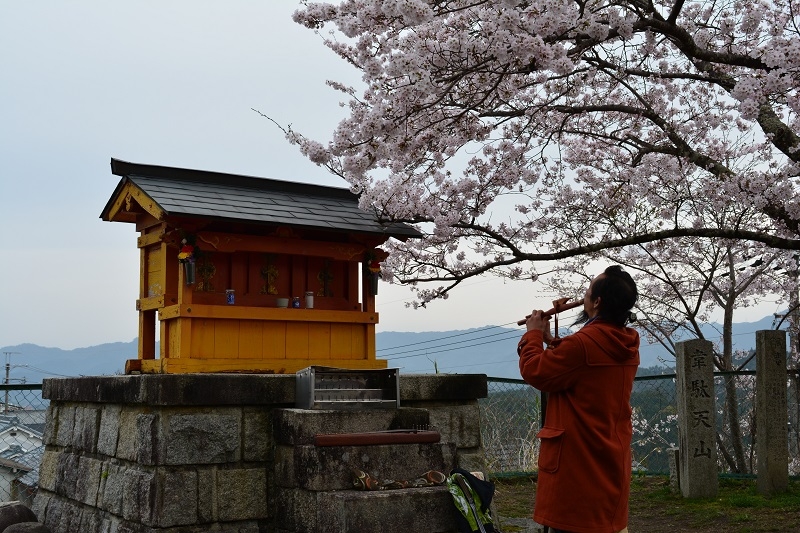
x: 518, y: 132
x: 655, y: 435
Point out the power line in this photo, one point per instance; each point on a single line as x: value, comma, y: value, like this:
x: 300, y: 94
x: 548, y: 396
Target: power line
x: 46, y: 372
x: 431, y: 348
x: 506, y: 333
x: 445, y: 350
x: 424, y: 351
x: 448, y: 347
x: 447, y: 337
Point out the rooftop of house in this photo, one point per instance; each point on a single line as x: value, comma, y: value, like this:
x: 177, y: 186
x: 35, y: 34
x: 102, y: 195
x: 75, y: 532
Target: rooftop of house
x: 31, y: 462
x: 9, y: 423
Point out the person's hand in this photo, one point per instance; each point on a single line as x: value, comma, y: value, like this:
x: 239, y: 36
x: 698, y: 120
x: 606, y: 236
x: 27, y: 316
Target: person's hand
x: 537, y: 321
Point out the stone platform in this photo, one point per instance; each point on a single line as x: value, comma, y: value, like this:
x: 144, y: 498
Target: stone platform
x: 230, y: 453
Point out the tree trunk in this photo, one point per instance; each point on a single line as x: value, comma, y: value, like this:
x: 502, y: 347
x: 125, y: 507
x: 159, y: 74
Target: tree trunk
x: 731, y: 394
x: 794, y: 369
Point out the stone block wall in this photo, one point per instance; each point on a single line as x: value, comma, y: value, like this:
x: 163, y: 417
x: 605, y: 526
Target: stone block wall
x: 314, y: 483
x: 229, y: 453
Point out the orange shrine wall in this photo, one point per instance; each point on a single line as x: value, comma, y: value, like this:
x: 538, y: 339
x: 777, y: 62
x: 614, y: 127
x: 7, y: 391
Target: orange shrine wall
x: 201, y: 332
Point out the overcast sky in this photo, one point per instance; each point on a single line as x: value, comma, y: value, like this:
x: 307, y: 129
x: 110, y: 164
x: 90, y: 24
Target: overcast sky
x: 165, y: 83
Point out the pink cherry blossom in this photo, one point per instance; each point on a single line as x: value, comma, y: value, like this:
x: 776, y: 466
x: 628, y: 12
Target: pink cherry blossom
x: 514, y: 134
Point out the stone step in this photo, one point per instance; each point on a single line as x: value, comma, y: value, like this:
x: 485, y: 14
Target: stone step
x: 428, y: 509
x: 331, y: 467
x: 299, y: 426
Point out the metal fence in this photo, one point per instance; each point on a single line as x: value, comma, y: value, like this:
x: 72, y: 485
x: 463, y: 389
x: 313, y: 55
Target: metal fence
x: 510, y: 419
x: 21, y: 430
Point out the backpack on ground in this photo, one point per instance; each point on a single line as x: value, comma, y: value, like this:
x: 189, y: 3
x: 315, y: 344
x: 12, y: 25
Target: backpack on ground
x: 472, y: 498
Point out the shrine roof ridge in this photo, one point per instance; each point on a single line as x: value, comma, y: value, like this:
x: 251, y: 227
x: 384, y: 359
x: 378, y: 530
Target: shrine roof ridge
x: 125, y: 168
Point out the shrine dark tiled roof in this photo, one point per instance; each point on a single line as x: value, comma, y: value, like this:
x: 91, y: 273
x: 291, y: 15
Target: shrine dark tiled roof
x: 199, y: 193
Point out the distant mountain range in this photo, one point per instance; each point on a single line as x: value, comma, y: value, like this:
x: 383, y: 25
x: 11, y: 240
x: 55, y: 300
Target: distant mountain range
x: 490, y: 350
x: 493, y: 350
x: 31, y: 363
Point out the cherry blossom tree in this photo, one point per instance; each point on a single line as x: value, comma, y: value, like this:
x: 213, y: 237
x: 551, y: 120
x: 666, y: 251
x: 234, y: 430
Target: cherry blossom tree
x: 525, y: 137
x: 517, y: 133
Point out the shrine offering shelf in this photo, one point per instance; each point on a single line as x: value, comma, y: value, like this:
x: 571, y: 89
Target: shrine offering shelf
x: 266, y: 313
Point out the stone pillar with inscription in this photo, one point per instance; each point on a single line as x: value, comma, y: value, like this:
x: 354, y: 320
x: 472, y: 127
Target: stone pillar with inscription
x: 772, y: 435
x: 696, y: 419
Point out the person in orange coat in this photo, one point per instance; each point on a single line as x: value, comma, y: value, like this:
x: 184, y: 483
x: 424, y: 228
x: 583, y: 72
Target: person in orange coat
x: 585, y: 453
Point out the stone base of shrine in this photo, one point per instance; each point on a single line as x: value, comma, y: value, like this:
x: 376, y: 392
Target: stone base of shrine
x: 184, y: 453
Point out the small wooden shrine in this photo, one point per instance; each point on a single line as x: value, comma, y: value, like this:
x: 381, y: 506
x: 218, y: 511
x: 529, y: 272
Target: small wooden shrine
x: 222, y: 254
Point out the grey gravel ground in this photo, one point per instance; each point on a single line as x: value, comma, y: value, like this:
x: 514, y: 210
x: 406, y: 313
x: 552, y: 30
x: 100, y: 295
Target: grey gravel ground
x: 519, y: 525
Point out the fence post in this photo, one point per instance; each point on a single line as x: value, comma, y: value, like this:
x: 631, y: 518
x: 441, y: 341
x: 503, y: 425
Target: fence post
x: 696, y: 419
x: 772, y: 434
x: 674, y: 469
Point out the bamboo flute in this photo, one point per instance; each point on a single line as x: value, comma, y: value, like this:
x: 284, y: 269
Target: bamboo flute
x: 558, y: 306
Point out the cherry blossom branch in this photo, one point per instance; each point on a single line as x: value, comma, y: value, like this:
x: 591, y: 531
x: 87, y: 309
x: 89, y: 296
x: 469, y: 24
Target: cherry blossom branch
x: 518, y: 256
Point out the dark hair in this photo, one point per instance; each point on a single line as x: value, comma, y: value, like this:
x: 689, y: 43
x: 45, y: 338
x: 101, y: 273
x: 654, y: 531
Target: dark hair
x: 618, y: 294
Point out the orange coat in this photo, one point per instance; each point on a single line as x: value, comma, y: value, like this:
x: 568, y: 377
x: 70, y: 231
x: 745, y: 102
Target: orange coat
x: 585, y: 454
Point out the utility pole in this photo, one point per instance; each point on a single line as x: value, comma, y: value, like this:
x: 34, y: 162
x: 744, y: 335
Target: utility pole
x: 7, y: 380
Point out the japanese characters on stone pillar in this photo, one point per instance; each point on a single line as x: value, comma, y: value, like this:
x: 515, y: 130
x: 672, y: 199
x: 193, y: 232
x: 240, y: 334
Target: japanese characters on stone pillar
x: 772, y: 435
x: 696, y: 419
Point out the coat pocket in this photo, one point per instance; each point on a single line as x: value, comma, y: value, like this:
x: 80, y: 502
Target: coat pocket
x: 550, y: 449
